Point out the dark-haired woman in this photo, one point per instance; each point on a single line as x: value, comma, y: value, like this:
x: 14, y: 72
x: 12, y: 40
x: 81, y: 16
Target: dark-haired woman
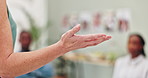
x: 135, y: 64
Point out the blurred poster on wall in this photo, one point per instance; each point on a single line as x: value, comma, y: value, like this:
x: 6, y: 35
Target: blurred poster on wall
x: 69, y: 21
x: 65, y: 20
x: 109, y: 21
x: 123, y: 16
x: 97, y: 22
x: 96, y: 19
x: 100, y: 21
x: 73, y: 21
x: 85, y: 20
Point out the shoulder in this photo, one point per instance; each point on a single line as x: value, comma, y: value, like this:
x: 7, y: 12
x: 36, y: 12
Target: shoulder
x: 145, y: 61
x: 122, y: 59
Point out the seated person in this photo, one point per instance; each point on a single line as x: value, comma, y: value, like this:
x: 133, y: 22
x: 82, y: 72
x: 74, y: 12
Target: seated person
x: 43, y: 72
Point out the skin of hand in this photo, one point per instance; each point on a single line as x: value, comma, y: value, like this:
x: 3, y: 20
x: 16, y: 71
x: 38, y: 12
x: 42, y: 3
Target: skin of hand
x: 70, y: 41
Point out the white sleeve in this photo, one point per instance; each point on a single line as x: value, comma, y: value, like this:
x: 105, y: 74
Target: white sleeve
x: 146, y: 72
x: 116, y: 69
x: 146, y: 75
x: 145, y: 68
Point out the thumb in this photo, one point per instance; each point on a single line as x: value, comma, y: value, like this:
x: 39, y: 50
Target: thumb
x: 74, y: 30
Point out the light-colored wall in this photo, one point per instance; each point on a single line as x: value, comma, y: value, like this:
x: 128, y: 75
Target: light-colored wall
x: 139, y: 18
x: 57, y: 8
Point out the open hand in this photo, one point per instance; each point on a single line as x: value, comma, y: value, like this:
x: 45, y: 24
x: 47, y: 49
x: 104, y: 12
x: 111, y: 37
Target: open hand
x: 70, y: 41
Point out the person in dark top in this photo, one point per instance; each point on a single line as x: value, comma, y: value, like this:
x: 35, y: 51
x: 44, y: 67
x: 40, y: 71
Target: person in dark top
x: 25, y: 41
x: 46, y: 71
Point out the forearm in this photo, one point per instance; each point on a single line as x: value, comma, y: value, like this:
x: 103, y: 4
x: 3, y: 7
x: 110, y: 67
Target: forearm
x: 29, y: 61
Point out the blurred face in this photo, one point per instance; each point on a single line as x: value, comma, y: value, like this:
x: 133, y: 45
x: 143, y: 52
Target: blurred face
x: 25, y: 39
x: 134, y: 45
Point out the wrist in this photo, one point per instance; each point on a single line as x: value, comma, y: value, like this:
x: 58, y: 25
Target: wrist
x: 61, y: 47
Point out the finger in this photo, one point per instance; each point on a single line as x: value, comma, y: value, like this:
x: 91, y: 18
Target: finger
x: 96, y: 42
x: 108, y: 37
x: 93, y: 37
x: 73, y: 30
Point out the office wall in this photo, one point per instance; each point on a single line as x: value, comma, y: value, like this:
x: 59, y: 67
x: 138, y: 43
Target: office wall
x: 138, y: 23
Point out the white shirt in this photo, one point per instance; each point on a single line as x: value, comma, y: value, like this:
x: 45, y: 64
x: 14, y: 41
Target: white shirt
x: 125, y: 67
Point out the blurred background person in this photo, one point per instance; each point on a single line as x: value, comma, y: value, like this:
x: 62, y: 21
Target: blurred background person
x: 43, y: 72
x: 133, y: 65
x: 25, y: 41
x: 123, y: 25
